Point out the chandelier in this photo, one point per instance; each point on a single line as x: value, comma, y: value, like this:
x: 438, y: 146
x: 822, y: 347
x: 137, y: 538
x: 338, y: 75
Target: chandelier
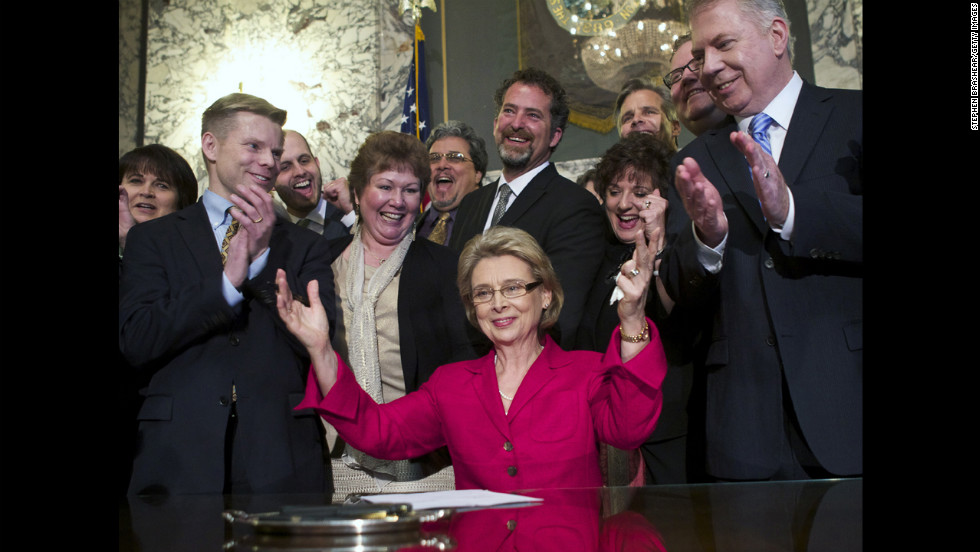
x: 621, y: 39
x: 640, y: 48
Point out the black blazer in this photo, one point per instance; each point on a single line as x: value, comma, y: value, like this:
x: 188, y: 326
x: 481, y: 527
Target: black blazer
x: 333, y: 228
x: 174, y: 323
x: 432, y: 325
x: 678, y: 334
x: 782, y: 309
x: 566, y: 220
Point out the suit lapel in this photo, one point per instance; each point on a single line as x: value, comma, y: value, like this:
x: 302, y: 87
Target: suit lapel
x: 810, y: 116
x: 531, y: 193
x: 195, y: 229
x: 485, y: 387
x: 540, y: 374
x: 735, y: 173
x: 411, y: 273
x: 483, y: 208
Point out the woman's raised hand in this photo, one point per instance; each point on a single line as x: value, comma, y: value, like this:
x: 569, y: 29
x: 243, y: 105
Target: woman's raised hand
x: 310, y: 326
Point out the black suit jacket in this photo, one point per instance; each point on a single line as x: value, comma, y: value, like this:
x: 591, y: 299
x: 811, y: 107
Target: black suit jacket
x: 432, y: 325
x: 677, y: 334
x: 782, y: 310
x: 568, y: 224
x: 333, y: 227
x: 175, y: 323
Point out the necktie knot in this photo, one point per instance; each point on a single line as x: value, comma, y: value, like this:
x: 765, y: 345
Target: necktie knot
x: 505, y: 192
x: 439, y: 230
x: 759, y: 128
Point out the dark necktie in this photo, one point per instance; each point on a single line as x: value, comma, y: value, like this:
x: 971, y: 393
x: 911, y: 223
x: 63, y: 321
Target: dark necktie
x: 501, y: 205
x: 438, y: 234
x: 232, y: 229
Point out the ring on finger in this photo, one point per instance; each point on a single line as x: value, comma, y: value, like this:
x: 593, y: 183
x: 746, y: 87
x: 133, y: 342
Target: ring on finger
x: 646, y: 205
x: 634, y: 272
x: 258, y: 221
x: 766, y: 175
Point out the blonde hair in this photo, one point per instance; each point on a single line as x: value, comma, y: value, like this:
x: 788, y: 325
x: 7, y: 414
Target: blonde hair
x: 498, y: 242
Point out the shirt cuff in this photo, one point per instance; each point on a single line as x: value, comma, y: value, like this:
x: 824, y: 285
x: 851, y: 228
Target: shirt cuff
x: 232, y: 295
x: 349, y: 219
x: 710, y: 257
x: 786, y: 232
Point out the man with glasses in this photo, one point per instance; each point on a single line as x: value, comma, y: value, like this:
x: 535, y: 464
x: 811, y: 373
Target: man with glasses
x: 458, y: 157
x: 694, y: 107
x: 765, y: 231
x: 532, y: 112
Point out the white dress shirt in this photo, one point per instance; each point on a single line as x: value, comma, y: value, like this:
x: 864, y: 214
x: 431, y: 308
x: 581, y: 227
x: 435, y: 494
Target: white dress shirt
x: 516, y: 187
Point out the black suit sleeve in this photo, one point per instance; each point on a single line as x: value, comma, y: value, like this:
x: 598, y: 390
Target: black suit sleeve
x: 157, y: 319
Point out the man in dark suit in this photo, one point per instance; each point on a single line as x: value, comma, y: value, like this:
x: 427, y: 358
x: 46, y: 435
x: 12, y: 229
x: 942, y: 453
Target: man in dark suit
x: 532, y: 112
x: 197, y: 311
x: 458, y: 157
x: 299, y: 186
x: 774, y: 252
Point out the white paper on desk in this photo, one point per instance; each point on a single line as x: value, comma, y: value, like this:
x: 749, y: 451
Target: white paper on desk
x: 450, y: 499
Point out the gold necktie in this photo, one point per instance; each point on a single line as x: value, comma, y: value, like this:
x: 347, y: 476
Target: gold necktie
x: 438, y: 234
x: 232, y: 229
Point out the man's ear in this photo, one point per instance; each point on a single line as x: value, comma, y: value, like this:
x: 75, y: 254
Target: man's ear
x: 779, y: 34
x: 209, y: 145
x: 555, y: 138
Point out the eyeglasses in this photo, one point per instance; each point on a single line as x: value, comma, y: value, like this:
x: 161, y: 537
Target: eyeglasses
x: 452, y: 157
x: 675, y: 76
x: 511, y: 291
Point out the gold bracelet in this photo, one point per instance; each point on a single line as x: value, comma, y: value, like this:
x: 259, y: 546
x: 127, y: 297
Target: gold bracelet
x: 645, y: 335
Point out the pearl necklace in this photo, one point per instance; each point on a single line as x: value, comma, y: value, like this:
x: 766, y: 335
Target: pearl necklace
x: 521, y: 378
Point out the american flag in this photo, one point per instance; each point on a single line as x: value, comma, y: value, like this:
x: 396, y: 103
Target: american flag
x: 415, y: 115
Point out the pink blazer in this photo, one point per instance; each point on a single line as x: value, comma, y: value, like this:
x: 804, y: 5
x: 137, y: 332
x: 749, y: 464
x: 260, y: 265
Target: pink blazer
x: 567, y: 400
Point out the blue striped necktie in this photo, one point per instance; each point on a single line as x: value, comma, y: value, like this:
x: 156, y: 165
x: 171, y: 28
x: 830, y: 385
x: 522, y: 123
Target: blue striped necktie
x: 759, y: 128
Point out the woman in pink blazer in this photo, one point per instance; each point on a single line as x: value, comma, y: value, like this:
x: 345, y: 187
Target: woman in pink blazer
x: 528, y: 414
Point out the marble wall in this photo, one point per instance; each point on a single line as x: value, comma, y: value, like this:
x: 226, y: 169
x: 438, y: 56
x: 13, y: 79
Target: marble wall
x: 836, y: 38
x: 334, y: 67
x: 338, y: 68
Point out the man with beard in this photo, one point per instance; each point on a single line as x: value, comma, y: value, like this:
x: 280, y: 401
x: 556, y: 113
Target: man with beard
x: 532, y: 112
x: 300, y: 188
x: 458, y: 157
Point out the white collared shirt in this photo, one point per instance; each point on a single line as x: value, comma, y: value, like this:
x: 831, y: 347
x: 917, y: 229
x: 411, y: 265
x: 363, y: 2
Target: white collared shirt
x: 516, y: 186
x: 780, y: 109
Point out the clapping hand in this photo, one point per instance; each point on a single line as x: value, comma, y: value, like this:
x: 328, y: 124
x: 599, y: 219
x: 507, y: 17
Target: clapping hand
x: 256, y: 215
x: 770, y: 186
x: 310, y: 326
x: 702, y: 202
